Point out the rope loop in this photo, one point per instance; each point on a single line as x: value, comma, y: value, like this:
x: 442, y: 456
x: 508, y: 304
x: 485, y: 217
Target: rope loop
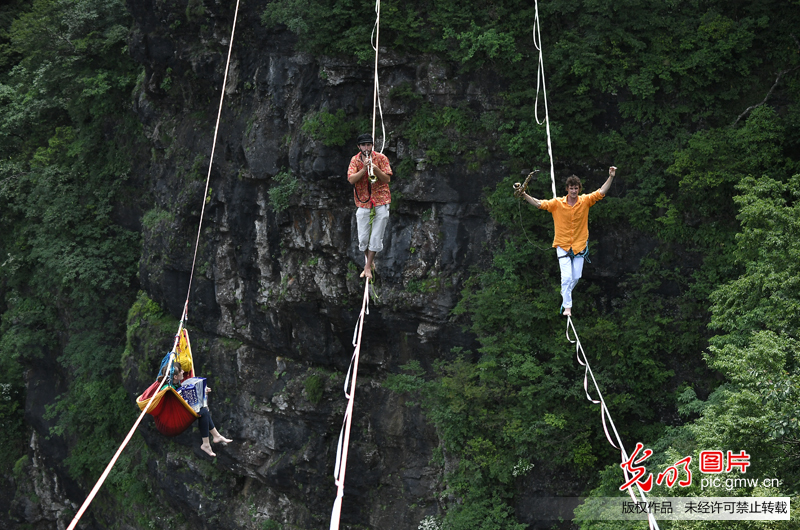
x: 605, y: 414
x: 537, y: 42
x: 350, y: 393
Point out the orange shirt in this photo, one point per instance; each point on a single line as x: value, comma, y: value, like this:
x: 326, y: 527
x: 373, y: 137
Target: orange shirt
x: 571, y: 222
x: 380, y: 190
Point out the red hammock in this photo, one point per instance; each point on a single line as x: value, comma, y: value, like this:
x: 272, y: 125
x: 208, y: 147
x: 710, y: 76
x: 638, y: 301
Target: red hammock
x: 169, y: 410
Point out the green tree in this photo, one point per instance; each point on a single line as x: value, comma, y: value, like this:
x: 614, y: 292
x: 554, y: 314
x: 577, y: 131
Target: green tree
x: 67, y: 137
x: 655, y: 91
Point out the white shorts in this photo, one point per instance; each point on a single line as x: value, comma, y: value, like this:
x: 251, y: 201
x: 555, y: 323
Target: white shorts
x: 371, y: 236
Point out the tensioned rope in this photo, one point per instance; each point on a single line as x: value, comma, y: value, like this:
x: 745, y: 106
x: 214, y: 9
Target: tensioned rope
x: 376, y: 100
x: 211, y: 160
x: 340, y: 467
x: 580, y: 354
x: 344, y: 434
x: 537, y: 41
x: 604, y: 413
x: 185, y: 314
x: 127, y: 439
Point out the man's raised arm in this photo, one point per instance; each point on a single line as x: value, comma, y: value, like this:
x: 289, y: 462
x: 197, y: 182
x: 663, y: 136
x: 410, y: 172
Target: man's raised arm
x: 536, y: 202
x: 612, y: 171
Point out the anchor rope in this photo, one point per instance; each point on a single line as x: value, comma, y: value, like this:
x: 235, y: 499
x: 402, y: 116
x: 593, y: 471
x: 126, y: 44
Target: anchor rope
x: 185, y: 314
x: 127, y: 439
x: 537, y: 42
x: 604, y: 413
x: 211, y: 161
x: 344, y: 434
x: 376, y: 100
x: 340, y: 466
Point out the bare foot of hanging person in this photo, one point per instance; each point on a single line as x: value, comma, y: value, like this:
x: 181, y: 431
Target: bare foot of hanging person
x: 206, y: 448
x: 567, y: 311
x: 217, y: 438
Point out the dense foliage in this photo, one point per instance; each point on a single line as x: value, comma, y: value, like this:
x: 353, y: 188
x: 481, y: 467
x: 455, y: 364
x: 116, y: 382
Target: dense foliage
x: 680, y: 96
x: 695, y: 101
x: 68, y: 266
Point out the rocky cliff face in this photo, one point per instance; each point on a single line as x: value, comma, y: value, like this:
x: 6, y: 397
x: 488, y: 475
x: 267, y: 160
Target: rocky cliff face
x: 276, y: 294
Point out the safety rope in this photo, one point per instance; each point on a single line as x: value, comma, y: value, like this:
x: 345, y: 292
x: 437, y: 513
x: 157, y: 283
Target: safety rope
x: 537, y: 41
x: 185, y: 313
x: 127, y: 439
x: 211, y: 160
x: 344, y: 434
x: 376, y: 100
x: 110, y: 465
x: 604, y: 413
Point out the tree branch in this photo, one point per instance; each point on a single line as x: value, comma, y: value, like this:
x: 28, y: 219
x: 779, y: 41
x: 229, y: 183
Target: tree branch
x: 777, y: 80
x: 753, y: 107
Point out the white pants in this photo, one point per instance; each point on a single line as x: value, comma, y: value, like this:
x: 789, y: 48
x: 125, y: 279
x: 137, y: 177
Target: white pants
x: 571, y: 270
x: 372, y: 236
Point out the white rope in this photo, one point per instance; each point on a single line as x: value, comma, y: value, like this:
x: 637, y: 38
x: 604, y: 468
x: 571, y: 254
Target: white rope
x: 537, y: 41
x: 110, y: 465
x: 213, y: 149
x: 185, y: 314
x: 122, y: 446
x: 344, y: 434
x: 340, y: 466
x: 376, y: 100
x: 604, y: 413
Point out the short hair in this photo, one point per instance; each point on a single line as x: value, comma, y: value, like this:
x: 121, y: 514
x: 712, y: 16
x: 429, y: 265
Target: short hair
x: 574, y: 181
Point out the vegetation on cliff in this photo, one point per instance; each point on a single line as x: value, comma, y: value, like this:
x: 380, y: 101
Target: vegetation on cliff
x: 682, y: 97
x: 68, y: 264
x: 694, y: 344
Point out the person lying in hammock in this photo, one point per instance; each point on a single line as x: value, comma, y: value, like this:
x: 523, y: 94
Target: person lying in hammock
x: 205, y: 422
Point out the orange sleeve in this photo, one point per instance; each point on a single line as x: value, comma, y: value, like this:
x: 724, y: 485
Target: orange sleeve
x: 549, y: 205
x: 593, y: 197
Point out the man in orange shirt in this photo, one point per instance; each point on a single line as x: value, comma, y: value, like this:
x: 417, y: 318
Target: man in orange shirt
x: 370, y: 174
x: 571, y: 220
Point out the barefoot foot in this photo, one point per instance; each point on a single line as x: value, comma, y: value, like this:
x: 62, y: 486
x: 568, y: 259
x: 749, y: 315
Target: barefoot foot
x: 567, y: 311
x: 206, y: 448
x: 221, y: 440
x: 367, y: 274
